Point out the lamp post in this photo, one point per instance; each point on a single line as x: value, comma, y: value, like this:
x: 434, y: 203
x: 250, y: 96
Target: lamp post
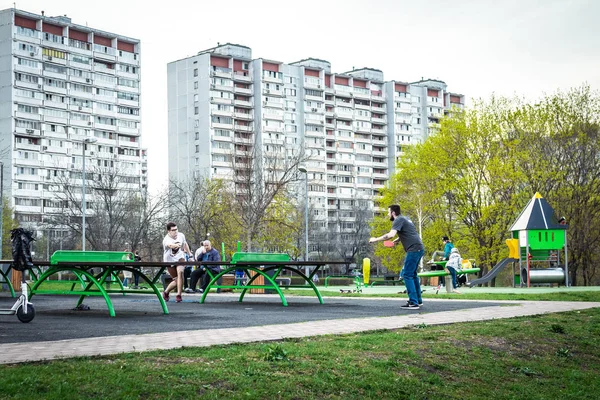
x: 84, y: 142
x: 304, y: 171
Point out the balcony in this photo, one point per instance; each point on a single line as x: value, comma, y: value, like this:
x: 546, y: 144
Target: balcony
x: 381, y: 121
x: 361, y: 94
x: 314, y: 98
x: 276, y: 129
x: 274, y: 116
x: 244, y: 128
x: 403, y: 99
x: 245, y: 91
x: 27, y: 35
x: 129, y: 58
x: 272, y: 104
x: 129, y: 131
x: 222, y: 73
x: 222, y: 88
x: 362, y: 129
x: 217, y: 125
x: 348, y: 116
x: 27, y: 70
x: 273, y: 92
x: 313, y: 133
x: 28, y: 132
x: 221, y: 100
x: 241, y: 103
x: 105, y: 127
x: 242, y: 76
x: 311, y: 120
x: 244, y: 116
x: 105, y: 53
x: 311, y: 84
x: 55, y: 89
x: 222, y: 113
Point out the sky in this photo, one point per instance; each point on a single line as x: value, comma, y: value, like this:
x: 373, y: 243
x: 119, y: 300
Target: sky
x: 526, y: 48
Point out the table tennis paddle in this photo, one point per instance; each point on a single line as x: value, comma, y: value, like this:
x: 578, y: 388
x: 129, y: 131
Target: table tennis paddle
x: 388, y: 243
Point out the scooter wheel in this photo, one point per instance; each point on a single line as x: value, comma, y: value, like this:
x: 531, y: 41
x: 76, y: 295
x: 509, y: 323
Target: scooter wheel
x: 26, y: 317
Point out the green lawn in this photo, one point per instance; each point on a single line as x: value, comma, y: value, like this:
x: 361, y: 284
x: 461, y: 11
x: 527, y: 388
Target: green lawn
x: 542, y: 357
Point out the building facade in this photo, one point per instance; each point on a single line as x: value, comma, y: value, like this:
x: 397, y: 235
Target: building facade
x: 65, y: 85
x: 354, y: 124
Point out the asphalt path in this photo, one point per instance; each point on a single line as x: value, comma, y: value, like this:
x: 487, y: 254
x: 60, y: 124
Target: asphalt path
x: 55, y: 318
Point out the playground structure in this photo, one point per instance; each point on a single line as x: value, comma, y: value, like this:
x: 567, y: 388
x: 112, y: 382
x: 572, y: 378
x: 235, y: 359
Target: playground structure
x: 542, y: 240
x: 538, y: 245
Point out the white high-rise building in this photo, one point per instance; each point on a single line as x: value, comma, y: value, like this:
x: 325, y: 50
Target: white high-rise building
x: 63, y: 84
x: 355, y: 124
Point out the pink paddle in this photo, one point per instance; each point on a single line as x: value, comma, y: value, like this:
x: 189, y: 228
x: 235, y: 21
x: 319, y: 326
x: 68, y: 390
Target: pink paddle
x: 388, y: 243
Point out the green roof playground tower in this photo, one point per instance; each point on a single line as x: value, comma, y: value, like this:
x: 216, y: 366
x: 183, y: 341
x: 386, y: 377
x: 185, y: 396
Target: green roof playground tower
x: 542, y: 244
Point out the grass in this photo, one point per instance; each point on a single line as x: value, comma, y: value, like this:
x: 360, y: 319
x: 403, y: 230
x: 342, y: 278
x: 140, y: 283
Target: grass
x: 593, y: 296
x: 543, y: 357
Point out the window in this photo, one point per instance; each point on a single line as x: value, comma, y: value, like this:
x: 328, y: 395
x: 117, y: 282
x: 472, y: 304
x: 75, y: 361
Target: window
x: 317, y: 93
x: 196, y: 85
x: 79, y: 59
x: 196, y: 110
x: 54, y: 53
x: 128, y: 68
x: 128, y: 110
x: 128, y: 96
x: 195, y: 71
x: 128, y: 82
x: 27, y: 63
x: 27, y: 109
x: 105, y: 92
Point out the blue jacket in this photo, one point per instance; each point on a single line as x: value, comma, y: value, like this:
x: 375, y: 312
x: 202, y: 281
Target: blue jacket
x: 447, y: 249
x: 212, y: 255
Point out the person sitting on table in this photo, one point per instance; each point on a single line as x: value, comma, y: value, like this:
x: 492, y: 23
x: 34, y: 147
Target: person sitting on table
x: 454, y: 265
x: 205, y: 253
x: 443, y: 255
x: 175, y: 248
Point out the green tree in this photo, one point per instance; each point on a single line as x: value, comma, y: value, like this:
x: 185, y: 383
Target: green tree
x: 473, y: 177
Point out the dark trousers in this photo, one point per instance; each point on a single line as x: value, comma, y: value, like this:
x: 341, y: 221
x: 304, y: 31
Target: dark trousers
x: 200, y: 273
x: 187, y: 273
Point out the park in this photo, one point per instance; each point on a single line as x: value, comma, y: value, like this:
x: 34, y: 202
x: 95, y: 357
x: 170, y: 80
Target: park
x: 218, y: 346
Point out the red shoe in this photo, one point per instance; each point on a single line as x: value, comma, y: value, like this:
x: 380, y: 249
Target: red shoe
x: 165, y: 296
x: 178, y: 298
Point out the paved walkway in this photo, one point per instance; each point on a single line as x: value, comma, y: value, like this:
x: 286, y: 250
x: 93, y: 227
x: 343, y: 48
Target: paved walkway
x: 38, y: 351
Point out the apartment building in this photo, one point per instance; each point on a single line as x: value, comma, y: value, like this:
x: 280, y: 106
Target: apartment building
x: 354, y: 124
x: 65, y: 86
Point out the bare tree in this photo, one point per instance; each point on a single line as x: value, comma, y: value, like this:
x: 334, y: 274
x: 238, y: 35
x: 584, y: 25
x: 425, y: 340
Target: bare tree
x: 112, y: 204
x: 259, y: 176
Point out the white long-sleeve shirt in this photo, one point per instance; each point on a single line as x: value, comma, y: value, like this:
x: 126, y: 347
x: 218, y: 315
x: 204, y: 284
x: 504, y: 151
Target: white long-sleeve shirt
x: 455, y: 261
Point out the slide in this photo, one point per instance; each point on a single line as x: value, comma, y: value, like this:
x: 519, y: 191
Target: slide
x: 493, y: 272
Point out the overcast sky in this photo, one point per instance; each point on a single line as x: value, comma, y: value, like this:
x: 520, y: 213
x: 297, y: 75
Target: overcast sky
x: 478, y: 47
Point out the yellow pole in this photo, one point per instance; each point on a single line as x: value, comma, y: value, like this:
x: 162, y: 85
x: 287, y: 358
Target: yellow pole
x: 366, y: 270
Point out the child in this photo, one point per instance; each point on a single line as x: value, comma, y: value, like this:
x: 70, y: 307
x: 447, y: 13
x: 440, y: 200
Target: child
x: 453, y: 265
